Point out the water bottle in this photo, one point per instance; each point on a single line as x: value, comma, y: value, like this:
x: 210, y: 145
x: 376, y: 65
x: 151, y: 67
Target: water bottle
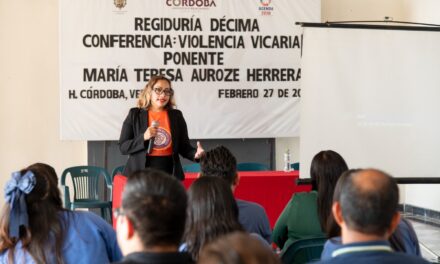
x: 287, y: 166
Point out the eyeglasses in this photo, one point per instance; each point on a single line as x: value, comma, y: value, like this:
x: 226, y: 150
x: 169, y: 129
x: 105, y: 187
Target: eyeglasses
x: 167, y: 92
x: 117, y: 212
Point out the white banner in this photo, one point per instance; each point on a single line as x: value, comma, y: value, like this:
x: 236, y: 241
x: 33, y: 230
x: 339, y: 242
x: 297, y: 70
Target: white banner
x: 234, y: 65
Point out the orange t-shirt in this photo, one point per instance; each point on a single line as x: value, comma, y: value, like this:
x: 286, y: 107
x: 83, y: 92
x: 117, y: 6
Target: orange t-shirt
x: 162, y: 142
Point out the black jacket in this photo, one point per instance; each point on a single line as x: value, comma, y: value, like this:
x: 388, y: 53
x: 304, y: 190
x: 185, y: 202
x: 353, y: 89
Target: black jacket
x: 132, y: 143
x: 157, y: 258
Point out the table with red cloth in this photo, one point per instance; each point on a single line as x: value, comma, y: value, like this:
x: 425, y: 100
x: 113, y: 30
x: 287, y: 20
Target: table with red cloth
x: 270, y: 189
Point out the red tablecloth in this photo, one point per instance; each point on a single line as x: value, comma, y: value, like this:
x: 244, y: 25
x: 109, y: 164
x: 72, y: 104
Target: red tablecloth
x: 271, y: 189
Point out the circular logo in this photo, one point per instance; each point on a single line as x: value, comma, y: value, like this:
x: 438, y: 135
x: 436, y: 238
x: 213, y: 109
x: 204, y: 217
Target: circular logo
x: 265, y: 2
x: 162, y: 139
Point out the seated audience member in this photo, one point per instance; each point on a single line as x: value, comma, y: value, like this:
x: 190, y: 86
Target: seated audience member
x: 307, y: 213
x: 403, y: 239
x: 237, y: 248
x: 151, y: 222
x: 220, y: 162
x: 366, y: 209
x: 212, y: 212
x: 34, y: 227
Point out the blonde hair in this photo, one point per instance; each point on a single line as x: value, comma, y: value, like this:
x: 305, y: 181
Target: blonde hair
x: 144, y: 99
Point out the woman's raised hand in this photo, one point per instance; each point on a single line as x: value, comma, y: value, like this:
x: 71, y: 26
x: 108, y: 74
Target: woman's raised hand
x: 200, y: 151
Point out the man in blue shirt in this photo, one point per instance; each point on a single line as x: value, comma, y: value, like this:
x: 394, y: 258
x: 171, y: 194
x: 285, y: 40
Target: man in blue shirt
x: 365, y: 206
x: 220, y: 162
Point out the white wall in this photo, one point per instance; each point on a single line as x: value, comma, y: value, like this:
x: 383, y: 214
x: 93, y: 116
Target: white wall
x: 29, y: 90
x: 343, y: 10
x: 422, y: 11
x: 426, y: 11
x: 349, y: 10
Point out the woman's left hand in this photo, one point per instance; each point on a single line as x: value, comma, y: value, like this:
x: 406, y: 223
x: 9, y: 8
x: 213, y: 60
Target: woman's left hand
x: 200, y: 151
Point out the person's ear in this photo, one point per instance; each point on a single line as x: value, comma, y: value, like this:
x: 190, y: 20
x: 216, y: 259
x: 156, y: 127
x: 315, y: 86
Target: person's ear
x: 124, y: 227
x: 130, y: 228
x: 394, y: 223
x: 236, y: 180
x: 337, y: 213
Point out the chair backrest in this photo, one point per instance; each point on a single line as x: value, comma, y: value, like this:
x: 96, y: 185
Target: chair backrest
x: 193, y: 167
x: 118, y: 170
x: 85, y: 180
x: 303, y: 251
x: 295, y: 166
x: 252, y: 166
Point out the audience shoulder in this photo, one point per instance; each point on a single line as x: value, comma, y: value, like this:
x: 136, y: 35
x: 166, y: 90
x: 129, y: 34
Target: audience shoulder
x: 90, y: 218
x: 301, y: 196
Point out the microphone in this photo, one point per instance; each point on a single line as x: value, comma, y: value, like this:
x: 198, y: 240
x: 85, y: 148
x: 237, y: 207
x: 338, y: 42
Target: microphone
x: 151, y: 140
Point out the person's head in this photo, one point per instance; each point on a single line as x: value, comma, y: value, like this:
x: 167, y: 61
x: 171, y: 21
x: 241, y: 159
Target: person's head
x: 325, y: 170
x: 366, y: 202
x: 219, y: 162
x: 43, y: 202
x: 237, y: 248
x: 157, y: 94
x: 153, y: 212
x: 332, y: 228
x: 212, y: 212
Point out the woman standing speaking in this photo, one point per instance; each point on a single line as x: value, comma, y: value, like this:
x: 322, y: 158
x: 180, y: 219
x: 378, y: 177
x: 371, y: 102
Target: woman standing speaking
x: 154, y: 133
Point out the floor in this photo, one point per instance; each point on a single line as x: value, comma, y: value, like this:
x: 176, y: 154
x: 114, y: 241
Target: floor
x: 428, y: 234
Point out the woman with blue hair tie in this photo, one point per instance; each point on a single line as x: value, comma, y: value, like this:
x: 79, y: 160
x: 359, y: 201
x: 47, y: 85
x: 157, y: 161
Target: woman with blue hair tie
x: 34, y: 227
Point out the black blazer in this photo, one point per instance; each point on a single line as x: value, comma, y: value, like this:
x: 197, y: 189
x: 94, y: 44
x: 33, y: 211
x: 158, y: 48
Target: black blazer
x: 132, y: 143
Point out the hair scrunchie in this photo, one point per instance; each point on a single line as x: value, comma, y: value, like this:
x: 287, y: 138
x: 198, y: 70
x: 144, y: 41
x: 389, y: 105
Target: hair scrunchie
x: 15, y: 190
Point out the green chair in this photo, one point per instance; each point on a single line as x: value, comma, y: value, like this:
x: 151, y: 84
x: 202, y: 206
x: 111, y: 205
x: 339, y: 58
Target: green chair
x: 118, y: 170
x: 303, y: 251
x: 85, y: 180
x: 295, y: 166
x: 194, y: 167
x: 252, y: 166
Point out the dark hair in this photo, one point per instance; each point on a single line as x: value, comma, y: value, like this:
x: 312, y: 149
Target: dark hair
x: 212, y: 212
x: 219, y: 162
x: 369, y: 200
x: 237, y: 248
x: 155, y: 203
x: 325, y: 170
x: 332, y: 228
x: 46, y: 230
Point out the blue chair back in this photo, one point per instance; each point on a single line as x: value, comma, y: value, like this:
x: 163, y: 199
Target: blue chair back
x: 118, y: 170
x: 194, y: 167
x: 252, y: 166
x: 86, y: 180
x: 303, y: 251
x: 295, y: 166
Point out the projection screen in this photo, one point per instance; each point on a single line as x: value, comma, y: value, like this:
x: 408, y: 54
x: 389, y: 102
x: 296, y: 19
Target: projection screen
x: 372, y: 94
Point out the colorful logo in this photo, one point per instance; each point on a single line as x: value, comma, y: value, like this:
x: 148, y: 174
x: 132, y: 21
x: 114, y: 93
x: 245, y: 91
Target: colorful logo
x: 265, y: 8
x: 265, y: 2
x: 120, y: 3
x: 162, y: 139
x: 191, y: 4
